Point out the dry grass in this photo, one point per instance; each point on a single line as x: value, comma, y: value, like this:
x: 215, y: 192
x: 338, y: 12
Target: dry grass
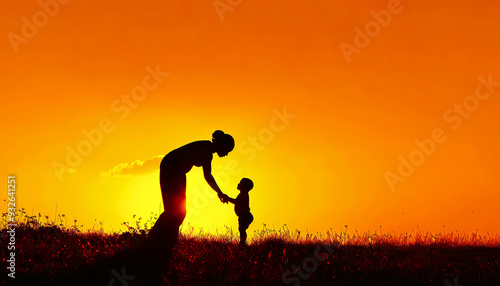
x: 48, y: 250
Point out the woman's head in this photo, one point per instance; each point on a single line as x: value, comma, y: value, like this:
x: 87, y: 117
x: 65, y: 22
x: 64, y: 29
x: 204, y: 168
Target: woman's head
x: 224, y: 143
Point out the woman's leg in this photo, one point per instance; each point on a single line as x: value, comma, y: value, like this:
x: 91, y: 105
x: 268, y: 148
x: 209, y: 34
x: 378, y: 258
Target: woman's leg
x: 163, y: 235
x: 173, y: 192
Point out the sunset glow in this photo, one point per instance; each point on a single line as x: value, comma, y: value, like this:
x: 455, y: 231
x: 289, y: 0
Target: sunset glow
x: 370, y: 114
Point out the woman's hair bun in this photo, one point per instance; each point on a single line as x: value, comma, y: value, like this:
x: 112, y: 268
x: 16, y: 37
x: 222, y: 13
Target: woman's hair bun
x: 217, y: 134
x: 224, y: 142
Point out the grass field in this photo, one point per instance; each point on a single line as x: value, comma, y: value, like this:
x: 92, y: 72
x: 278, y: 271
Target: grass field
x: 51, y: 253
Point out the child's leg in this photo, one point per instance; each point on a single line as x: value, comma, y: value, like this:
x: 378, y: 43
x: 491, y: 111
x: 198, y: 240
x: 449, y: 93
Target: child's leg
x: 244, y: 222
x: 243, y: 236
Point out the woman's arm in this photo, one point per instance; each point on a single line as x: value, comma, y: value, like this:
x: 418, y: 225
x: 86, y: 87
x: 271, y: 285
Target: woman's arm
x: 207, y: 173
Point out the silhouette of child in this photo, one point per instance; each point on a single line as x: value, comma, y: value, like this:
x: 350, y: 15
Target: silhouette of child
x: 242, y: 208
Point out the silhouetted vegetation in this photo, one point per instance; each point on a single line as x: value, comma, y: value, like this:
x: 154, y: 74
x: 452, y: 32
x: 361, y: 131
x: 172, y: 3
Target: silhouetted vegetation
x: 53, y: 253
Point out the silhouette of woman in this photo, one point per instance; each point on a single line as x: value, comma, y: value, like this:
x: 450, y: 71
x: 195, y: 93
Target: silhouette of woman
x: 173, y: 169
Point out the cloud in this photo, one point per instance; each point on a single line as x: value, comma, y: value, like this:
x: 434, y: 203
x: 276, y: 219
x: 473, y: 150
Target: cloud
x: 62, y: 170
x: 137, y: 167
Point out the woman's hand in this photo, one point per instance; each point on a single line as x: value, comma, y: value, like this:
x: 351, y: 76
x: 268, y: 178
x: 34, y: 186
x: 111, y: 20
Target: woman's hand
x: 223, y: 197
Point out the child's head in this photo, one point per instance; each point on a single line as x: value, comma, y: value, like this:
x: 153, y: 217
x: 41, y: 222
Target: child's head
x: 245, y: 185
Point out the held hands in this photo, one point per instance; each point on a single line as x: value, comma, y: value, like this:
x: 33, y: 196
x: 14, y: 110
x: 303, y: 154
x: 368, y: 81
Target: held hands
x: 223, y: 197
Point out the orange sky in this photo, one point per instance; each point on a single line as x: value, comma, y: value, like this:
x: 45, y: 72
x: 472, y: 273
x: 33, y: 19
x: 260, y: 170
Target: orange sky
x: 351, y: 115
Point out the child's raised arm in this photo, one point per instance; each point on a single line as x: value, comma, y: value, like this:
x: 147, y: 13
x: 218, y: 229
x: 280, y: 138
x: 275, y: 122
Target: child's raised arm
x: 231, y: 200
